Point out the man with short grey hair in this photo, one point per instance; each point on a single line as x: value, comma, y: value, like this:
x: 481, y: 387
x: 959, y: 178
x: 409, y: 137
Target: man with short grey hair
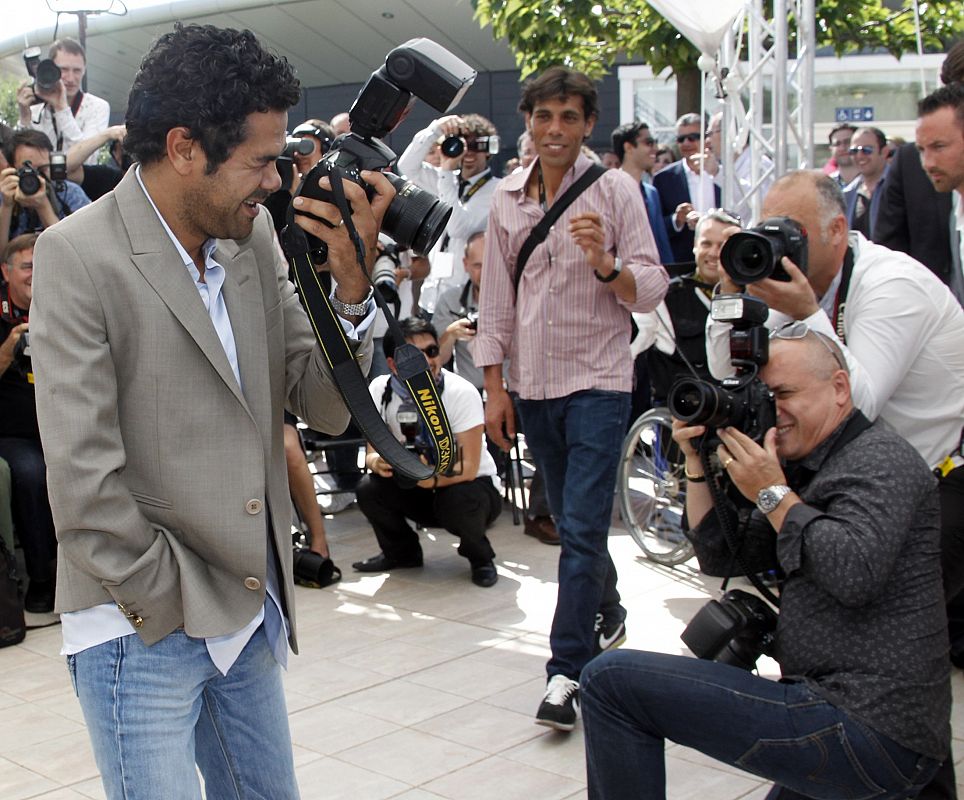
x: 685, y: 189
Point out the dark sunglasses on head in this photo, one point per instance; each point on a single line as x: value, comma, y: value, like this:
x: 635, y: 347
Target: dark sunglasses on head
x: 688, y: 137
x: 431, y: 351
x: 866, y: 149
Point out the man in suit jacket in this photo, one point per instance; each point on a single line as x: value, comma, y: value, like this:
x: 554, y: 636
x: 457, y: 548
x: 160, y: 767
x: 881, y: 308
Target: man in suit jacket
x: 912, y: 216
x: 167, y: 343
x: 678, y: 185
x: 635, y: 148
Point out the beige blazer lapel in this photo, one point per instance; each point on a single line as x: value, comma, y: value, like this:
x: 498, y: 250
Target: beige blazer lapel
x: 157, y: 259
x: 243, y: 297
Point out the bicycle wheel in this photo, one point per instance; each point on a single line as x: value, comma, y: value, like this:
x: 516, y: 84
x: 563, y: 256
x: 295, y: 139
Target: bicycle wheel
x: 652, y: 489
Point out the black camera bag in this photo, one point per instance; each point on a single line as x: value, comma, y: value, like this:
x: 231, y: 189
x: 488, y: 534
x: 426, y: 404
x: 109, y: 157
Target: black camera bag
x: 13, y: 628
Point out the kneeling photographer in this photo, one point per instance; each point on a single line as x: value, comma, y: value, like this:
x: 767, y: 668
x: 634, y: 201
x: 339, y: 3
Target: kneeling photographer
x: 847, y: 512
x: 465, y: 501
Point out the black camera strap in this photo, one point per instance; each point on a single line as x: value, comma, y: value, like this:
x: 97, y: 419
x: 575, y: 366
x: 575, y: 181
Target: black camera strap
x: 840, y: 301
x: 539, y: 233
x: 410, y: 362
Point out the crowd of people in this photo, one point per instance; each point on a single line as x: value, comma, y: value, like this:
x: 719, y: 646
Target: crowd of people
x: 563, y: 298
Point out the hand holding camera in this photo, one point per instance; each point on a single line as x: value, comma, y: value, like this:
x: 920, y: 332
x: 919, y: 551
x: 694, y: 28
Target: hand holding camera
x: 10, y: 348
x: 325, y: 223
x: 464, y: 328
x: 25, y: 186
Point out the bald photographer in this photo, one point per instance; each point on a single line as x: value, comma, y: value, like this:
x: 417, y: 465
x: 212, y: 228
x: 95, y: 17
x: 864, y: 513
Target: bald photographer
x: 847, y: 513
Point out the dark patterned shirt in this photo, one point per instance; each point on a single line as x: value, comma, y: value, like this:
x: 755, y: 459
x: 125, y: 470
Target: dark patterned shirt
x: 862, y: 618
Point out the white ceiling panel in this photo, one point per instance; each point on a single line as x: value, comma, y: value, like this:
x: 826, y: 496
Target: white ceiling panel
x: 329, y: 42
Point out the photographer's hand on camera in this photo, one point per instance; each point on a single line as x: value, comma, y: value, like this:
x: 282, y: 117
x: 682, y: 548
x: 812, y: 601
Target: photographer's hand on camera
x: 795, y: 297
x: 752, y: 468
x: 9, y: 345
x: 353, y: 285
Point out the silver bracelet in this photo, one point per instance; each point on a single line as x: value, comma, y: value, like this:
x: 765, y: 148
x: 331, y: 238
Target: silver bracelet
x: 351, y: 309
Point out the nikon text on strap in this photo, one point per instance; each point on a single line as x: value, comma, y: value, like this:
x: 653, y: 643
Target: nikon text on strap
x: 410, y: 362
x: 539, y: 233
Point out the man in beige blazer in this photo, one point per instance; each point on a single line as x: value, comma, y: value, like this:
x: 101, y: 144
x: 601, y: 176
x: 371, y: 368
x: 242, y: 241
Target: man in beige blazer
x: 167, y: 341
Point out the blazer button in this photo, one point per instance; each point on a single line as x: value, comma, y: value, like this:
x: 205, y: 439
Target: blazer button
x: 252, y: 583
x: 253, y: 506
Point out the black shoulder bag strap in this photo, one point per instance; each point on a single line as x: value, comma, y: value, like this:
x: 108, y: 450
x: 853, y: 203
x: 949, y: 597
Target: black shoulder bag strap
x: 410, y: 362
x: 539, y: 233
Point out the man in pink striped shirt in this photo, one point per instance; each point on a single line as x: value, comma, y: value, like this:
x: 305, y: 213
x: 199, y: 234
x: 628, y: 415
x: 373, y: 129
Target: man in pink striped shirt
x: 567, y: 334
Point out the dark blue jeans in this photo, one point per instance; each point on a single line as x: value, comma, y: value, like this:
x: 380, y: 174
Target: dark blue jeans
x: 575, y: 441
x: 633, y: 701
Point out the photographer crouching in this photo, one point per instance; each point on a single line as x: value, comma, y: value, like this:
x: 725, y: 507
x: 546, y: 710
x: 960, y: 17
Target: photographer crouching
x: 847, y: 512
x: 464, y: 501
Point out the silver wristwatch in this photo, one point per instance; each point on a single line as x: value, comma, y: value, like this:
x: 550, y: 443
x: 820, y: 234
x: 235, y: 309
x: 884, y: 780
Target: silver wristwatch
x: 768, y: 499
x: 351, y: 309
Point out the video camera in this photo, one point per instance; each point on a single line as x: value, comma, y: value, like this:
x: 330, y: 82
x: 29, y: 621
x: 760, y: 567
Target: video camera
x: 754, y: 254
x: 44, y: 71
x: 419, y: 68
x: 744, y: 401
x: 453, y: 146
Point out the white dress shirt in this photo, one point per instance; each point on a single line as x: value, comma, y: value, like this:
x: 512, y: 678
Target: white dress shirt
x: 904, y: 332
x: 93, y: 116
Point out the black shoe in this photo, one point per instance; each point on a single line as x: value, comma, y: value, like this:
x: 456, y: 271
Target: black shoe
x: 484, y: 574
x: 607, y: 635
x: 382, y: 563
x: 40, y: 597
x: 558, y: 707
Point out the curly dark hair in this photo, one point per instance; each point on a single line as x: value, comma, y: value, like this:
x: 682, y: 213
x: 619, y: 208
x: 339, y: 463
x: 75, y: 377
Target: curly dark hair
x: 207, y: 80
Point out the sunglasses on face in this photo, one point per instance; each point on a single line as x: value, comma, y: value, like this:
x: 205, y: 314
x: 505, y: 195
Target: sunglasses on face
x: 688, y: 137
x: 864, y: 149
x: 799, y: 330
x: 649, y: 141
x: 431, y: 351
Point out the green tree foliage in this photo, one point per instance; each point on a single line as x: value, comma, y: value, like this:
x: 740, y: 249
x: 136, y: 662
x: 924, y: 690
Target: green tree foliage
x: 9, y: 113
x: 588, y: 35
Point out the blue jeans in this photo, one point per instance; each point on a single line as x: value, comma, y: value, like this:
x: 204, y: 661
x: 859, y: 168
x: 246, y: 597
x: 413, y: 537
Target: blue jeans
x: 575, y: 441
x: 633, y: 701
x: 153, y: 712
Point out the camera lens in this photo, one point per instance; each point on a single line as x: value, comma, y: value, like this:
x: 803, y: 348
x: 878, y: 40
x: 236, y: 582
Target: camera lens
x: 702, y: 403
x: 415, y: 218
x: 29, y: 179
x: 452, y: 146
x: 48, y: 73
x: 748, y: 257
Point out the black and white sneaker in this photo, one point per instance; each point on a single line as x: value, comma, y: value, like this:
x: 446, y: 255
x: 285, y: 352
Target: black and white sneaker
x: 558, y: 707
x: 607, y: 635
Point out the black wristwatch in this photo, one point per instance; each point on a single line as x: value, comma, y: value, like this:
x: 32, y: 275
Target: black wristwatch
x: 617, y: 268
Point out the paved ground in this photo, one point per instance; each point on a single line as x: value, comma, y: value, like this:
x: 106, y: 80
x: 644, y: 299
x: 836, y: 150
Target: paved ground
x: 415, y: 685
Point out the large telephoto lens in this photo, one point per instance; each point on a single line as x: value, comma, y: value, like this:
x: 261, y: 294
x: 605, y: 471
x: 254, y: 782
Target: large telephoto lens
x: 701, y: 403
x: 415, y: 218
x: 748, y: 257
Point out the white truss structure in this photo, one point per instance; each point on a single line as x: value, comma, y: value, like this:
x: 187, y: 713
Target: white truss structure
x: 768, y: 99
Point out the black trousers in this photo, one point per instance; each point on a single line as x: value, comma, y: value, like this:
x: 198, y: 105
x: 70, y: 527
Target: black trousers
x: 31, y: 508
x: 464, y: 509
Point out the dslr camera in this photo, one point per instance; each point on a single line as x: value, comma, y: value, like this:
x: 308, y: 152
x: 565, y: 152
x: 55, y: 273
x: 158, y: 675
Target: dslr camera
x: 744, y: 401
x: 736, y: 630
x: 408, y: 420
x: 44, y: 71
x: 419, y: 68
x: 754, y: 254
x: 454, y: 146
x: 31, y: 179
